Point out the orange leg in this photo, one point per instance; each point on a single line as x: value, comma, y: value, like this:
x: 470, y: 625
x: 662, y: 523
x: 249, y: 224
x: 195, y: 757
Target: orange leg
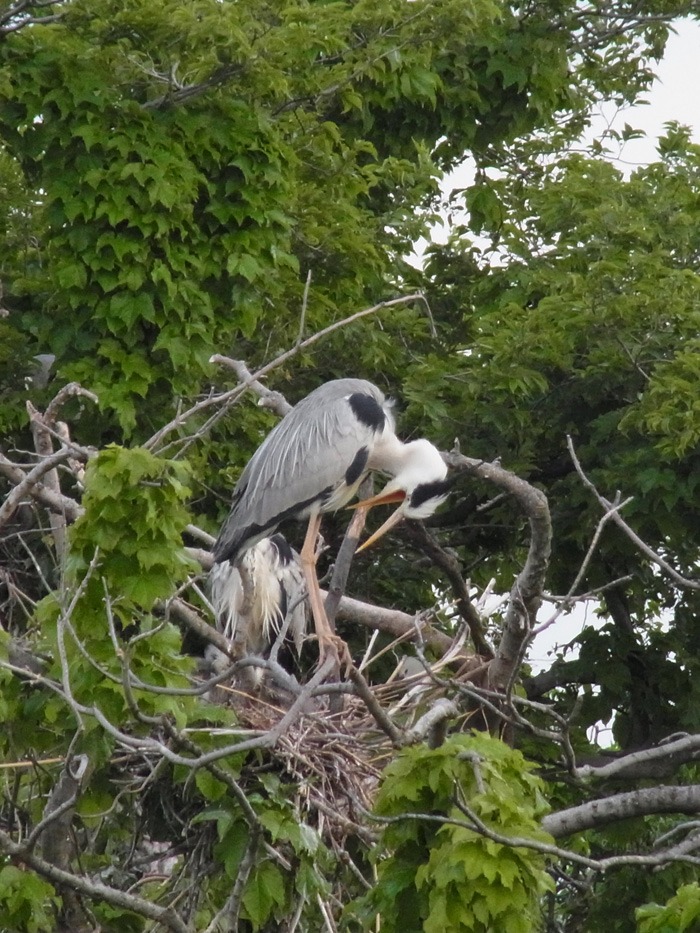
x: 328, y: 642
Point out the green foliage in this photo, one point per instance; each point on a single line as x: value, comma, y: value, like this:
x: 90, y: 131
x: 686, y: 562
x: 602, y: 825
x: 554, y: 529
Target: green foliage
x: 443, y: 876
x: 585, y: 327
x: 681, y: 913
x: 26, y: 901
x: 270, y: 891
x: 125, y: 554
x: 169, y: 174
x: 134, y: 515
x: 178, y: 168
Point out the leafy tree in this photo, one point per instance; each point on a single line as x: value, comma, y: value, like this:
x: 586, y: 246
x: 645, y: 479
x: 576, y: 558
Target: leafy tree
x: 186, y: 180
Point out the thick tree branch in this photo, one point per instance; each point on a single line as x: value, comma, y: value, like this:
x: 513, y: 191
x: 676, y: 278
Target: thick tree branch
x: 94, y: 890
x: 393, y: 622
x: 675, y: 750
x: 526, y: 592
x: 643, y: 802
x: 25, y: 486
x: 56, y: 502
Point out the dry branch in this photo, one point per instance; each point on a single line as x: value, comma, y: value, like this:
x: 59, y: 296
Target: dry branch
x: 526, y: 593
x: 611, y: 508
x: 224, y: 400
x: 94, y: 890
x: 643, y: 802
x: 55, y: 502
x: 676, y: 750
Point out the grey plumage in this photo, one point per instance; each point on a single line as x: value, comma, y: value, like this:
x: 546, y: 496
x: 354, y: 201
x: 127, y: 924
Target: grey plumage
x: 302, y: 463
x: 313, y: 462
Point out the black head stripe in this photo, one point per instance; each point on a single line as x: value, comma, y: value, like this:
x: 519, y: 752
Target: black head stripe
x: 367, y: 410
x: 425, y: 491
x: 357, y: 467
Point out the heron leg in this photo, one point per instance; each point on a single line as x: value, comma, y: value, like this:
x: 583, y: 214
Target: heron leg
x: 328, y: 642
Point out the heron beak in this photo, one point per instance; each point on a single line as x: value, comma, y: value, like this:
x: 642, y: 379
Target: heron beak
x: 393, y: 519
x: 382, y: 498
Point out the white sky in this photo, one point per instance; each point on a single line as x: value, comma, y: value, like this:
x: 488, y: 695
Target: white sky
x: 675, y: 95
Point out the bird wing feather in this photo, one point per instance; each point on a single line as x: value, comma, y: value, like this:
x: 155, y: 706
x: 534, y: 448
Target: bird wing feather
x: 307, y: 453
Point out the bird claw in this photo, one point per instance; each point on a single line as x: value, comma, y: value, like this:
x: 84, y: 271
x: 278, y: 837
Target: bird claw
x: 335, y: 647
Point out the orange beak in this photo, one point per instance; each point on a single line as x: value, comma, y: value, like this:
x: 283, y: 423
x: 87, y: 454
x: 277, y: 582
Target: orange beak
x: 381, y: 499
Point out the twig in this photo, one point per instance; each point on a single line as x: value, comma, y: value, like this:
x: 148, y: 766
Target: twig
x: 304, y: 306
x: 225, y: 399
x: 526, y: 592
x: 228, y: 914
x: 375, y: 708
x: 275, y: 401
x: 611, y: 509
x: 25, y: 485
x: 450, y: 565
x: 167, y: 916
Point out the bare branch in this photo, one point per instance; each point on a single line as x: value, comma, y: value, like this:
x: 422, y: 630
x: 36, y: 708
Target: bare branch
x: 380, y: 717
x: 56, y: 502
x: 619, y: 521
x: 26, y: 485
x: 526, y: 592
x: 677, y: 750
x: 447, y: 562
x: 642, y: 802
x: 225, y: 399
x: 95, y: 890
x: 304, y: 306
x: 268, y: 398
x: 431, y: 721
x: 393, y: 622
x: 71, y: 390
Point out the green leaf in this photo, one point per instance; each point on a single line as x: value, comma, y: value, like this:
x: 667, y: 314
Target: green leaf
x: 264, y: 892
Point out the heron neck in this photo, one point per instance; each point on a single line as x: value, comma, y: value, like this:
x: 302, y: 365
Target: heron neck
x: 389, y: 454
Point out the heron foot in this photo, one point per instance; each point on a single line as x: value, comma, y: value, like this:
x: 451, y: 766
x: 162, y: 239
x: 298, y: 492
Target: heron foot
x: 335, y: 647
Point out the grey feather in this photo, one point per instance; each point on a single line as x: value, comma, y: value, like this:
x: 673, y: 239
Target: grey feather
x: 301, y: 465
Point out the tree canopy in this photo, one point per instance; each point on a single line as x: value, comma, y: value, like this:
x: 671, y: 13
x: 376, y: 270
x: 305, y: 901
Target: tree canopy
x: 205, y: 205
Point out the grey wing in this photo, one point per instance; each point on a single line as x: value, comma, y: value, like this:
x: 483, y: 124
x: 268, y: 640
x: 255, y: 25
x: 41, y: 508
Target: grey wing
x: 302, y: 461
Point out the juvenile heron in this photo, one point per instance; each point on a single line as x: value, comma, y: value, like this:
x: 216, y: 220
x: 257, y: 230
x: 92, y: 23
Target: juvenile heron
x: 313, y: 462
x: 254, y: 597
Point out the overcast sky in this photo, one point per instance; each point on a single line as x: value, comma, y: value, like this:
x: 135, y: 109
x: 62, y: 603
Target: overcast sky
x: 675, y: 95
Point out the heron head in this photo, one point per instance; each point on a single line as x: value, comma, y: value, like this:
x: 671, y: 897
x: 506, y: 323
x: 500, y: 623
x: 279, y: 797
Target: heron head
x: 420, y: 486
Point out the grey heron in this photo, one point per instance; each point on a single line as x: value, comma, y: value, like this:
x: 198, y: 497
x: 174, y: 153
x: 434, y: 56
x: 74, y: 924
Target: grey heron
x: 314, y: 461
